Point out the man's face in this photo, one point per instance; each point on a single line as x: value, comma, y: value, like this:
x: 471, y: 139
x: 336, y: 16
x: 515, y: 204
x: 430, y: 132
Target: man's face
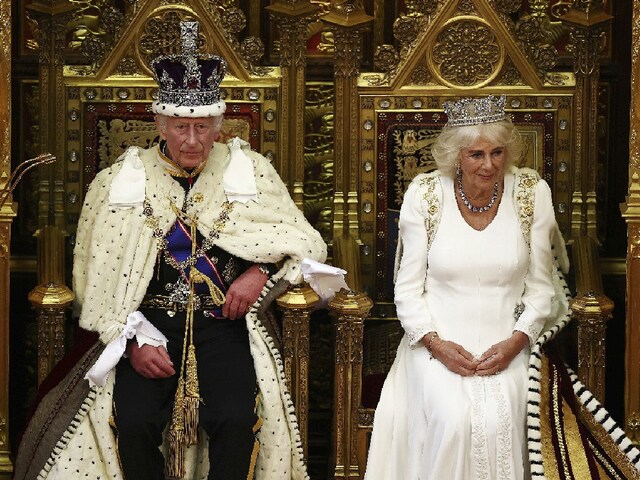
x: 189, y: 140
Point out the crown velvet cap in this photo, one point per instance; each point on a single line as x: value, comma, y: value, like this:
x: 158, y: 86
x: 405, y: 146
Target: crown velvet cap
x: 189, y: 83
x: 475, y: 111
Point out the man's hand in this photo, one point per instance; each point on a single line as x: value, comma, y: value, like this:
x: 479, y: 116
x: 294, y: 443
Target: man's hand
x: 500, y: 355
x: 454, y: 357
x: 244, y: 292
x: 150, y: 361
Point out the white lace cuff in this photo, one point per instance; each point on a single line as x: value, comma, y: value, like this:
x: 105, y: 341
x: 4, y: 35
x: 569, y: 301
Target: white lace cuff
x: 415, y: 336
x: 531, y: 327
x: 137, y: 325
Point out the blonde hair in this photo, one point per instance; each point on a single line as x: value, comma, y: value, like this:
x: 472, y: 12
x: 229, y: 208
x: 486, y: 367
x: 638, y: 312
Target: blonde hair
x: 446, y: 149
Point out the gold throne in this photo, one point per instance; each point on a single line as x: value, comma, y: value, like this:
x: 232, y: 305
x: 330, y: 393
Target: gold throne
x: 385, y: 116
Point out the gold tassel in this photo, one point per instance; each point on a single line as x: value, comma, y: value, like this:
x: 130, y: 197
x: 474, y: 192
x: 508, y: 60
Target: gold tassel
x: 192, y: 399
x: 174, y: 466
x: 217, y: 297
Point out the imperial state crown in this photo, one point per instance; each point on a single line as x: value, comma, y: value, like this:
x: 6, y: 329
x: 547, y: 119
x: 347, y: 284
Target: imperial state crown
x: 189, y: 82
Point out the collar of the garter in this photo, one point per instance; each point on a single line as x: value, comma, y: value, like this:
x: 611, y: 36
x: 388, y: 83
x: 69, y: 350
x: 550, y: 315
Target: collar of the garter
x: 176, y: 170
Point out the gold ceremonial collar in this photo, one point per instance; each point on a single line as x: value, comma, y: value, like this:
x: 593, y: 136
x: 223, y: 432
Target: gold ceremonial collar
x: 175, y: 170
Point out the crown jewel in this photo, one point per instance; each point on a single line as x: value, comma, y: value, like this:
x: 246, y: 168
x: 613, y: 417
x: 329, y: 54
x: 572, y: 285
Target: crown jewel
x: 189, y: 82
x: 474, y: 111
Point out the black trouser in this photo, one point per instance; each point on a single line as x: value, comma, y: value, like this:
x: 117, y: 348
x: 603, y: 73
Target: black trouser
x: 228, y: 389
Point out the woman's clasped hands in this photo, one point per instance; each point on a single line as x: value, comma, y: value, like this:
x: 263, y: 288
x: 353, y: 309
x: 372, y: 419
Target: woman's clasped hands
x: 493, y: 361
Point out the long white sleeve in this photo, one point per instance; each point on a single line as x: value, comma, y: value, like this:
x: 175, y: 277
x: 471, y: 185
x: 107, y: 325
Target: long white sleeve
x: 410, y: 294
x: 538, y: 287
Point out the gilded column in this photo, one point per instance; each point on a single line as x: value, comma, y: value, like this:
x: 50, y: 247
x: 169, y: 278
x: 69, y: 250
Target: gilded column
x: 52, y: 17
x: 50, y: 299
x: 7, y: 212
x: 350, y: 309
x: 292, y: 18
x: 591, y: 309
x: 631, y: 213
x: 296, y: 305
x: 588, y: 20
x: 592, y: 312
x: 347, y: 20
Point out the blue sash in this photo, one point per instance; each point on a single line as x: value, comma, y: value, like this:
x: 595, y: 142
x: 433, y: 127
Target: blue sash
x: 179, y: 245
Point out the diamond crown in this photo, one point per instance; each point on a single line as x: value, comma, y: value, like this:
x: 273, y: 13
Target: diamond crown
x: 189, y: 79
x: 474, y: 111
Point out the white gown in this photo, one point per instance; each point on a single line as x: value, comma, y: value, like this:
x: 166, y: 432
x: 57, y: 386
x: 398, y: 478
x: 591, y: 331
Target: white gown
x: 460, y: 428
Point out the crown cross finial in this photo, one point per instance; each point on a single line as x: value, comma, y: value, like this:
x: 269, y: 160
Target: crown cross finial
x: 189, y: 37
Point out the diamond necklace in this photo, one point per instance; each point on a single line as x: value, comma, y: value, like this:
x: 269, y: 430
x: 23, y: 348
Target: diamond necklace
x: 468, y: 204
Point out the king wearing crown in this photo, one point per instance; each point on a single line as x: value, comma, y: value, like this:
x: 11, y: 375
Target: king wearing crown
x: 180, y: 249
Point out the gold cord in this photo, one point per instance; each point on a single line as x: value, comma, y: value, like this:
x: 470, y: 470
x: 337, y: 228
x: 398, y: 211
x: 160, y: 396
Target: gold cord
x: 183, y: 430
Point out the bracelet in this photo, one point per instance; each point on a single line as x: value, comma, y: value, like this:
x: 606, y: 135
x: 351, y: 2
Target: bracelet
x: 435, y: 335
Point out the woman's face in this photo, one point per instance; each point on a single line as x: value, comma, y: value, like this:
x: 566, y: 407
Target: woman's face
x: 482, y: 164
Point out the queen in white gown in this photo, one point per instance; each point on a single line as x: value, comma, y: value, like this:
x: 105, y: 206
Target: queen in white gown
x: 473, y: 291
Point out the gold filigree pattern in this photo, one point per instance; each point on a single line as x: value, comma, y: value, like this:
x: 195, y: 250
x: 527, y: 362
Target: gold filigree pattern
x: 297, y: 305
x: 128, y: 67
x: 467, y: 7
x: 350, y: 310
x: 4, y: 243
x: 318, y: 156
x: 349, y: 341
x: 347, y: 7
x: 421, y: 75
x: 424, y: 7
x: 429, y: 184
x: 386, y: 58
x: 94, y: 27
x: 161, y: 34
x: 509, y: 75
x: 537, y: 34
x: 234, y: 21
x: 50, y: 338
x: 3, y: 432
x: 508, y: 6
x: 407, y: 28
x: 467, y: 53
x: 634, y: 241
x: 525, y: 197
x: 252, y: 50
x: 560, y: 7
x: 633, y: 425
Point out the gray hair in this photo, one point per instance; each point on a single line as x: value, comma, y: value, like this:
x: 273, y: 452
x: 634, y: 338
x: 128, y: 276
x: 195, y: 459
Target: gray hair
x: 446, y: 149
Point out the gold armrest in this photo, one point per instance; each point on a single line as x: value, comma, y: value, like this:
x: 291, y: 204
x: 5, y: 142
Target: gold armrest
x: 297, y: 304
x: 591, y: 309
